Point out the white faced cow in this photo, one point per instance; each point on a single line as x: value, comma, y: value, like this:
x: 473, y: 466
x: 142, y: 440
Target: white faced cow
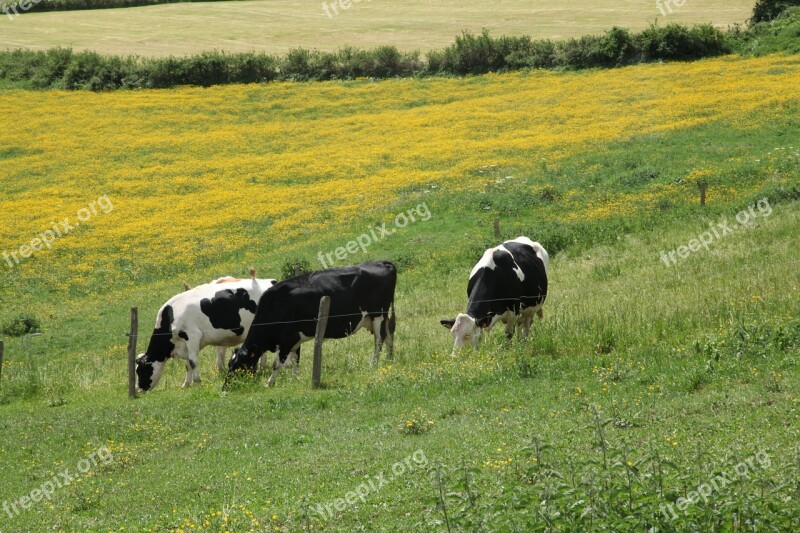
x: 509, y: 285
x: 215, y: 314
x: 361, y: 297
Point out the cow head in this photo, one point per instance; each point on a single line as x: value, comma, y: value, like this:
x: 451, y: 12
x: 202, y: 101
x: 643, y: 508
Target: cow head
x: 243, y: 359
x: 148, y: 373
x: 466, y: 330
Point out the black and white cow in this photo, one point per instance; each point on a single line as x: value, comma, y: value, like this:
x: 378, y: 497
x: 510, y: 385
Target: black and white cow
x: 509, y: 285
x: 218, y: 314
x: 361, y: 297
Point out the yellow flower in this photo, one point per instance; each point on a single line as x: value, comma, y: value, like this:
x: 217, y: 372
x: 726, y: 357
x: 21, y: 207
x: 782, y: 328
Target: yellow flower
x: 175, y: 185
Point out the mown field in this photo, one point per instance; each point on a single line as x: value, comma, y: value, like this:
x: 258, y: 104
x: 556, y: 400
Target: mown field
x: 275, y: 26
x: 643, y: 383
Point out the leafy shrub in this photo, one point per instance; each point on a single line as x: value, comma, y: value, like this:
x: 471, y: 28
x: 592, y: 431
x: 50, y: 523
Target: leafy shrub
x: 295, y: 267
x: 616, y: 48
x: 677, y: 42
x: 90, y: 70
x: 778, y: 35
x: 532, y: 54
x: 766, y: 10
x: 22, y: 325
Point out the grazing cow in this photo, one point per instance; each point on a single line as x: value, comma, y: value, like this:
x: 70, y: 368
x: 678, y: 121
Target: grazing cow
x: 361, y: 297
x: 509, y: 285
x: 216, y: 314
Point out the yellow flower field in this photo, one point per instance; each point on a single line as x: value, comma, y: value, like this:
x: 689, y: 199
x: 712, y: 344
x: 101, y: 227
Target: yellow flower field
x: 188, y: 170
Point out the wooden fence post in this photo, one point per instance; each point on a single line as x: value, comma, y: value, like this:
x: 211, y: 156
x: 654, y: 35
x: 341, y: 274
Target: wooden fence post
x: 1, y: 362
x: 132, y: 352
x: 322, y: 323
x: 497, y: 227
x: 703, y: 186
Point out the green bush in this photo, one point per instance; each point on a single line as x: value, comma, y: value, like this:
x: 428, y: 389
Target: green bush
x: 778, y: 35
x: 675, y: 42
x: 295, y: 266
x: 766, y: 10
x: 614, y: 49
x: 21, y: 325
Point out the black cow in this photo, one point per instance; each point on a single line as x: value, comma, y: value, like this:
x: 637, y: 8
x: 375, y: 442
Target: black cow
x: 508, y: 284
x: 361, y: 297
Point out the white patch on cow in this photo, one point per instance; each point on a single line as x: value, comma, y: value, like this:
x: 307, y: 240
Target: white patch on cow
x: 541, y: 253
x: 366, y: 322
x: 487, y: 261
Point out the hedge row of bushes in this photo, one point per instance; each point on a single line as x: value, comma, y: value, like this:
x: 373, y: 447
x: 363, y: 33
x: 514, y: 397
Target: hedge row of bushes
x: 478, y: 54
x: 29, y: 6
x: 470, y: 54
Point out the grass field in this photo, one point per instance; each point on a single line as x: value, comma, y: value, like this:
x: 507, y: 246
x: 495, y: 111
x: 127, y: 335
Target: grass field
x: 643, y: 383
x: 275, y: 26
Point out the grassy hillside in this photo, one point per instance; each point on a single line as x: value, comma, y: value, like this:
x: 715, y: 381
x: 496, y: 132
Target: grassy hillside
x: 643, y: 383
x: 275, y: 26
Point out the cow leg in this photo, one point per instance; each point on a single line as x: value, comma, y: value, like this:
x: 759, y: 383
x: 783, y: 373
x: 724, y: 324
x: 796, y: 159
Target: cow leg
x: 525, y: 325
x: 286, y: 351
x: 276, y: 370
x: 189, y: 374
x: 511, y: 322
x: 295, y: 358
x: 377, y: 322
x: 388, y: 334
x: 221, y: 358
x: 193, y: 356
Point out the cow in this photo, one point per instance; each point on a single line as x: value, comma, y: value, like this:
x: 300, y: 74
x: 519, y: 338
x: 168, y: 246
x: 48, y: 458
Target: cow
x: 509, y: 285
x: 218, y: 314
x: 360, y: 297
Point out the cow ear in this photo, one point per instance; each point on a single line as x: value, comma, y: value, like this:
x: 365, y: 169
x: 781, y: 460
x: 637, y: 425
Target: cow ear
x: 448, y: 323
x: 484, y: 322
x: 142, y: 359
